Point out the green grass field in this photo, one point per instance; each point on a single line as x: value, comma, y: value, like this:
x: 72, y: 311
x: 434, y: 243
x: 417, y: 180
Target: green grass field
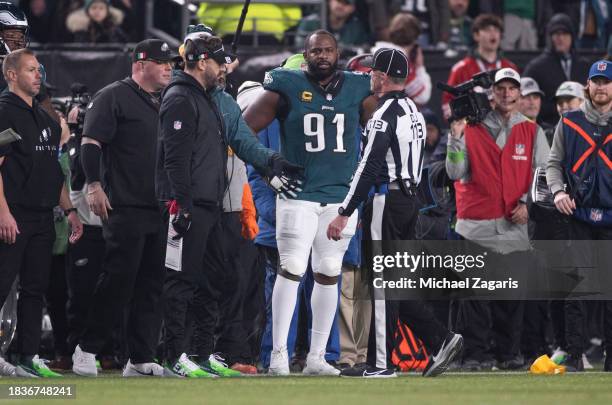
x: 452, y: 388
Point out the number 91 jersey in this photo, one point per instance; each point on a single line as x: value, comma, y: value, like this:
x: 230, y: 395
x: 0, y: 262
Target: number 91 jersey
x: 319, y: 129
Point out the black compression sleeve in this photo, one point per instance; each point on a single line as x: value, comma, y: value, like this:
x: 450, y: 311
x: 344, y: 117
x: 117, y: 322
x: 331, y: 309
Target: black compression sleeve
x: 90, y: 160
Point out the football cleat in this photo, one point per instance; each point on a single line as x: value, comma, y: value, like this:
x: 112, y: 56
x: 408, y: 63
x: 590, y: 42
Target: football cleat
x: 279, y: 362
x: 316, y: 365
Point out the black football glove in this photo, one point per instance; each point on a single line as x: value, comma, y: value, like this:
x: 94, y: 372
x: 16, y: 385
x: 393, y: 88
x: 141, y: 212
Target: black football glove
x: 181, y: 224
x: 284, y: 177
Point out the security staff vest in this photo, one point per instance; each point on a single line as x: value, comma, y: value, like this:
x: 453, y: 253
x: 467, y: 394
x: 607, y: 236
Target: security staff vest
x: 498, y: 176
x: 593, y: 194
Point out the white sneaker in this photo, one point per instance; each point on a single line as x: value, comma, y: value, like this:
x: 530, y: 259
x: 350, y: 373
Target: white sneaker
x: 142, y: 370
x: 279, y: 362
x: 6, y: 368
x: 84, y: 363
x: 587, y: 364
x: 316, y: 365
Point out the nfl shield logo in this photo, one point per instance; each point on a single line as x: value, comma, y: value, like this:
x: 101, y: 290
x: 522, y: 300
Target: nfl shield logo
x: 601, y: 66
x: 519, y: 149
x: 596, y: 215
x: 177, y: 125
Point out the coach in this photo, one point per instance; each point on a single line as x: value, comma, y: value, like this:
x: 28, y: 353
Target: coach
x: 392, y: 162
x: 31, y: 185
x: 118, y: 155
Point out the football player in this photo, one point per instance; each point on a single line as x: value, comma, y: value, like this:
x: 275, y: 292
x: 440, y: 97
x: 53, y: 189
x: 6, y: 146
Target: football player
x: 319, y: 109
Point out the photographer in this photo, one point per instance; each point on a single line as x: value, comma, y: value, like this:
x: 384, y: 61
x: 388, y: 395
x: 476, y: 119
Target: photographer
x: 492, y: 163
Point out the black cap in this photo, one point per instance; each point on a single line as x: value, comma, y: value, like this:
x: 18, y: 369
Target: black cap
x: 390, y: 61
x: 218, y: 54
x: 153, y: 49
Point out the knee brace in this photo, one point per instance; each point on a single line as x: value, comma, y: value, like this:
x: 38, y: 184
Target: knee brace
x: 292, y: 268
x: 329, y: 267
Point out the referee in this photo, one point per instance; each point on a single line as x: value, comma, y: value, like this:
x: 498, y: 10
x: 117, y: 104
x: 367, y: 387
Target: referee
x: 392, y: 163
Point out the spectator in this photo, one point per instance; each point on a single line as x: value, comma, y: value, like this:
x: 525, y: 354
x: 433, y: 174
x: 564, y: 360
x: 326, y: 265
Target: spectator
x: 39, y: 13
x: 519, y: 20
x: 433, y: 14
x: 342, y: 22
x: 486, y: 30
x: 436, y: 140
x: 270, y: 21
x: 97, y: 22
x: 569, y: 96
x: 557, y: 64
x: 594, y: 24
x: 530, y: 102
x: 460, y: 36
x: 404, y: 30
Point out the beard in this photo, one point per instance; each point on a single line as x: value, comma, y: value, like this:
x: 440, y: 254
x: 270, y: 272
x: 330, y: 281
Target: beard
x: 321, y: 74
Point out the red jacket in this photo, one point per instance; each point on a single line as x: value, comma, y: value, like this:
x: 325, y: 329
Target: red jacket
x: 498, y: 177
x: 463, y: 71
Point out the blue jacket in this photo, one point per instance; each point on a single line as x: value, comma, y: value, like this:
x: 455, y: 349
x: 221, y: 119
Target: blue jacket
x: 263, y: 196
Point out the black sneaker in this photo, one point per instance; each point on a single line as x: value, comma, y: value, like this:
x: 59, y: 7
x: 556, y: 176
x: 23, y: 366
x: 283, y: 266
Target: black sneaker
x: 574, y: 364
x: 450, y: 348
x: 368, y: 372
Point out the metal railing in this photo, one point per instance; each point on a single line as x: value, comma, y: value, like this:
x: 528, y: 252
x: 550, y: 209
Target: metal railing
x: 188, y: 9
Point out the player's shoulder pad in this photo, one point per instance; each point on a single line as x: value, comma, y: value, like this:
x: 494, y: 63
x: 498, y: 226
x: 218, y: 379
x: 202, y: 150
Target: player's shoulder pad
x: 279, y: 79
x: 359, y: 82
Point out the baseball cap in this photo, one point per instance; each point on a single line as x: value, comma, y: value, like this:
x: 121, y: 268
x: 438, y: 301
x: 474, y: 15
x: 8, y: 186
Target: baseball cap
x: 218, y: 54
x: 601, y: 68
x: 507, y: 74
x: 570, y: 89
x: 530, y: 86
x: 391, y: 62
x: 198, y: 31
x: 153, y: 49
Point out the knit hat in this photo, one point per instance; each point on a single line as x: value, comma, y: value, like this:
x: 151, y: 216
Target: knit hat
x: 560, y: 22
x: 88, y: 3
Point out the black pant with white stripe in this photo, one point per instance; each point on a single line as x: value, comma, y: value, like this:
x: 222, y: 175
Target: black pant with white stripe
x: 393, y: 216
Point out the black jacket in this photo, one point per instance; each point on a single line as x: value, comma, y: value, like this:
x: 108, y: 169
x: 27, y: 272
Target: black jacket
x: 31, y: 172
x: 547, y: 71
x: 192, y: 153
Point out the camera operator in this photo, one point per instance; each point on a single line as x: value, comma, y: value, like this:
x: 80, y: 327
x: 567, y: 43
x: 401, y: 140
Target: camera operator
x: 118, y: 155
x: 580, y: 156
x: 492, y: 163
x: 31, y: 185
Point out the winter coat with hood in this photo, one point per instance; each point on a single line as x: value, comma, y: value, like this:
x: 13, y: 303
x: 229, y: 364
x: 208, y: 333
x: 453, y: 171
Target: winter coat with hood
x: 31, y: 172
x: 548, y: 72
x: 85, y: 30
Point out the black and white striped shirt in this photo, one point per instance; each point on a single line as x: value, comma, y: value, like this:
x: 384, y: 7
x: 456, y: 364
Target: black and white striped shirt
x: 395, y: 148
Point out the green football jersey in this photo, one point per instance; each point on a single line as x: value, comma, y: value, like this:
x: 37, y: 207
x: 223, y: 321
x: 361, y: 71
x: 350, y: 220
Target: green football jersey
x: 320, y: 129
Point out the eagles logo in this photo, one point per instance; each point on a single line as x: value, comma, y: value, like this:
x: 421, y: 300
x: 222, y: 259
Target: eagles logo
x: 306, y: 96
